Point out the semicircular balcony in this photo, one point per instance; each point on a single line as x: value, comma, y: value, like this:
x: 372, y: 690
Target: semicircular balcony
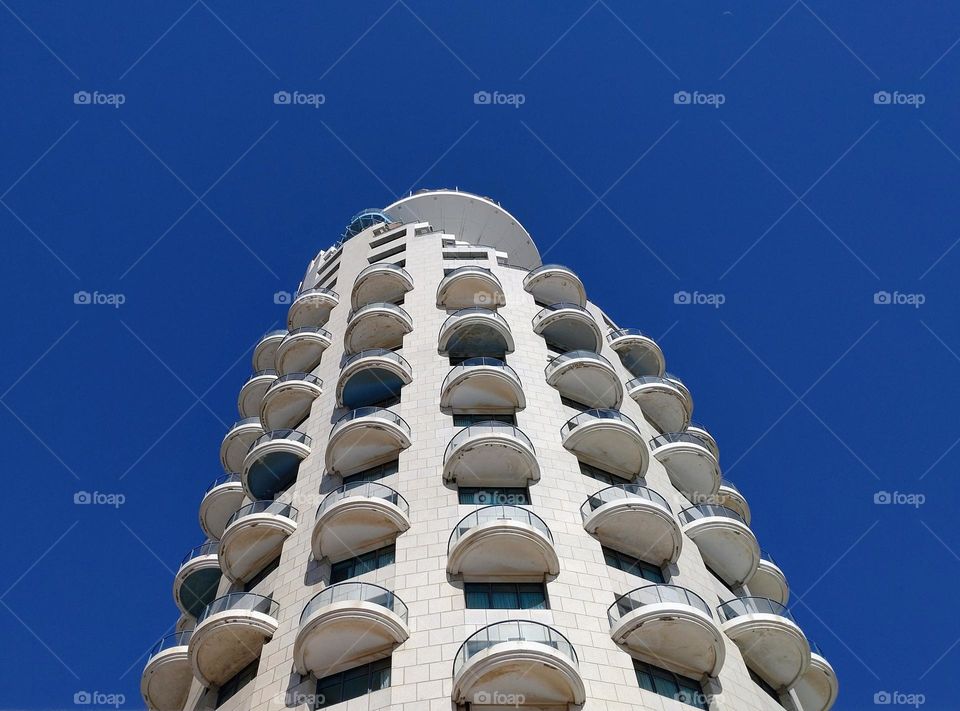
x: 730, y: 496
x: 383, y: 282
x: 817, y: 689
x: 236, y: 443
x: 670, y: 625
x: 689, y: 462
x: 311, y: 308
x: 468, y: 286
x: 364, y: 438
x: 684, y: 390
x: 221, y: 499
x: 769, y: 581
x: 568, y: 327
x: 376, y: 325
x: 273, y: 462
x: 491, y: 453
x: 288, y: 400
x: 475, y: 331
x: 251, y: 394
x: 230, y: 634
x: 553, y: 284
x: 347, y: 625
x: 167, y: 677
x: 662, y: 402
x: 264, y: 353
x: 195, y: 584
x: 502, y: 542
x: 726, y: 543
x: 585, y: 377
x: 356, y: 518
x: 484, y: 385
x: 771, y: 642
x: 302, y: 349
x: 254, y: 536
x: 635, y: 520
x: 607, y: 439
x: 518, y: 659
x: 372, y: 376
x: 638, y: 352
x: 708, y: 439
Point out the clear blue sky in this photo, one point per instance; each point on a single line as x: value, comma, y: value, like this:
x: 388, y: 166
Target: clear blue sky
x: 796, y: 200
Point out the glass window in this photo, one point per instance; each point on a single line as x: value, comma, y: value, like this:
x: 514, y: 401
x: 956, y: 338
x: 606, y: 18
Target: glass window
x: 673, y: 686
x: 240, y: 680
x: 374, y: 473
x: 634, y: 566
x: 264, y: 572
x: 769, y: 690
x: 467, y: 419
x: 506, y: 596
x: 353, y: 683
x: 600, y: 475
x: 491, y: 495
x: 352, y: 567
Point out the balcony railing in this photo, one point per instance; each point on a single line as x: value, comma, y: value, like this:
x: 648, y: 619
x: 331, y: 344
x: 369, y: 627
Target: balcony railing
x: 753, y: 606
x: 382, y: 266
x: 476, y: 362
x: 673, y: 437
x: 305, y: 377
x: 277, y: 508
x: 369, y: 489
x: 208, y: 548
x: 494, y: 427
x: 378, y: 353
x: 379, y: 305
x: 574, y: 355
x: 649, y: 380
x: 590, y: 415
x: 260, y: 374
x: 547, y: 310
x: 274, y: 332
x: 619, y: 492
x: 311, y: 329
x: 488, y: 514
x: 692, y: 513
x: 240, y: 601
x: 489, y: 313
x: 534, y: 273
x: 174, y: 639
x: 380, y: 413
x: 287, y: 434
x: 224, y: 478
x: 653, y: 594
x: 621, y: 332
x: 765, y: 555
x: 726, y: 483
x: 512, y: 631
x: 357, y: 592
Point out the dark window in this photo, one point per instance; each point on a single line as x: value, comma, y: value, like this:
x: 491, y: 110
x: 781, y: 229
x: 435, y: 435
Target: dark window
x: 634, y: 566
x: 352, y: 567
x: 465, y: 419
x: 463, y: 256
x: 459, y: 358
x: 673, y: 686
x: 769, y: 690
x: 240, y: 680
x: 262, y: 575
x: 389, y: 237
x: 389, y: 402
x: 491, y: 495
x: 600, y: 475
x: 575, y: 405
x: 555, y: 348
x: 505, y: 596
x: 380, y: 256
x: 374, y: 473
x: 353, y: 683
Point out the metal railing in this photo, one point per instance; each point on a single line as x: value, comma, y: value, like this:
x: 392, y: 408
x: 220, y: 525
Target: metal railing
x: 673, y: 437
x: 463, y: 313
x: 380, y: 413
x: 596, y: 414
x: 250, y: 602
x: 174, y: 639
x: 384, y: 353
x: 208, y: 548
x: 653, y: 594
x: 305, y: 377
x: 573, y: 355
x: 358, y: 592
x: 223, y: 479
x: 277, y: 508
x: 475, y: 363
x: 369, y: 489
x: 753, y: 606
x: 318, y: 290
x: 260, y: 374
x: 616, y: 333
x: 534, y: 273
x: 287, y: 434
x: 512, y: 631
x: 322, y: 332
x: 492, y: 427
x: 488, y: 514
x: 382, y: 266
x: 619, y: 492
x: 699, y: 511
x: 563, y: 305
x: 379, y: 305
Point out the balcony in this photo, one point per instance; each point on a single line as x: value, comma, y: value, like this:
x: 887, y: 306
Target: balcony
x: 769, y: 581
x: 356, y: 518
x: 230, y: 634
x: 731, y: 497
x: 222, y: 498
x: 518, y: 659
x: 311, y: 308
x: 475, y: 331
x: 585, y: 377
x: 372, y: 376
x: 167, y: 677
x: 691, y: 465
x: 569, y: 327
x: 818, y: 687
x: 607, y: 439
x: 491, y: 453
x: 302, y: 349
x: 347, y: 625
x: 195, y: 584
x: 236, y: 443
x: 554, y: 284
x: 671, y: 626
x: 364, y: 438
x: 708, y: 439
x: 377, y: 325
x: 484, y: 385
x: 288, y: 400
x: 634, y: 520
x: 684, y: 390
x: 470, y: 286
x: 662, y: 402
x: 251, y: 394
x: 264, y: 353
x: 726, y: 543
x: 273, y: 462
x: 254, y: 536
x: 638, y: 352
x: 379, y: 283
x: 502, y: 542
x: 771, y: 642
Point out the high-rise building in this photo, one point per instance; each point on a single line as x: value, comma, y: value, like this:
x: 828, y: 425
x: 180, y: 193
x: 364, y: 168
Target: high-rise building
x: 457, y: 484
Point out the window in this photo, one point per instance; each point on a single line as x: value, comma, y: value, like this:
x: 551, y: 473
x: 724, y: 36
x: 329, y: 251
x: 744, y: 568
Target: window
x: 459, y: 358
x: 240, y: 680
x: 262, y: 575
x: 464, y: 255
x: 673, y: 686
x: 769, y: 690
x: 467, y: 419
x: 353, y: 683
x: 505, y: 596
x: 380, y: 256
x: 352, y: 567
x: 600, y: 475
x: 574, y: 404
x: 374, y: 473
x: 389, y: 237
x: 554, y: 348
x: 490, y: 495
x: 634, y: 566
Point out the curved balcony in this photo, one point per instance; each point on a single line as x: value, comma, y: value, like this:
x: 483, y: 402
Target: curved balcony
x: 769, y: 581
x: 635, y: 520
x: 264, y: 353
x: 195, y: 584
x: 230, y: 634
x: 288, y: 400
x: 569, y: 327
x: 671, y: 625
x: 372, y: 376
x: 502, y: 542
x: 251, y: 394
x: 691, y: 465
x: 380, y: 283
x: 236, y: 443
x: 273, y: 462
x: 638, y: 352
x: 491, y: 453
x: 684, y: 390
x: 346, y: 625
x: 585, y: 377
x: 311, y: 307
x: 730, y: 496
x: 607, y: 439
x: 302, y: 349
x: 726, y: 543
x: 661, y: 401
x: 254, y: 536
x: 554, y: 284
x: 363, y: 220
x: 167, y: 677
x: 222, y: 498
x: 470, y: 286
x: 356, y: 518
x: 377, y: 325
x: 518, y: 659
x: 817, y: 689
x: 708, y: 439
x: 364, y: 438
x: 475, y: 331
x: 485, y: 385
x: 771, y: 642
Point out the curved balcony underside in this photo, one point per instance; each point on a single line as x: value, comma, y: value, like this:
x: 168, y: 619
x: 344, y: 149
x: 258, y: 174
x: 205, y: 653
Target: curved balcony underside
x: 476, y: 335
x: 817, y: 689
x: 287, y: 403
x: 236, y: 443
x: 272, y: 467
x: 692, y: 468
x: 302, y: 351
x: 473, y: 287
x: 638, y: 527
x: 355, y: 525
x: 611, y: 445
x: 371, y: 380
x: 377, y: 327
x: 570, y: 330
x: 380, y: 284
x: 218, y: 505
x: 772, y: 646
x: 363, y: 443
x: 252, y: 392
x: 226, y: 642
x: 675, y: 635
x: 264, y: 353
x: 663, y: 404
x: 166, y: 679
x: 483, y: 389
x: 503, y: 548
x: 727, y: 546
x: 590, y: 381
x: 492, y: 458
x: 770, y: 582
x: 311, y: 309
x: 250, y: 542
x: 640, y: 355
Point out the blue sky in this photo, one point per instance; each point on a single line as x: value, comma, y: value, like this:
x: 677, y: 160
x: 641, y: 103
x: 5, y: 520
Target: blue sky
x: 794, y: 202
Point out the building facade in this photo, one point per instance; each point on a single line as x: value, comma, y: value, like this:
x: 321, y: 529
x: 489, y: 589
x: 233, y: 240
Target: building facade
x: 456, y: 484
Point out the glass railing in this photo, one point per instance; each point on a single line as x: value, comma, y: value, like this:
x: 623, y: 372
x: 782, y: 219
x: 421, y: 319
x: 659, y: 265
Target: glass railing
x: 322, y: 332
x: 727, y: 484
x: 474, y: 363
x: 574, y: 355
x: 534, y: 273
x: 649, y: 380
x: 370, y: 489
x: 590, y: 415
x: 674, y: 437
x: 277, y: 508
x: 208, y: 548
x: 174, y: 639
x: 753, y: 606
x: 244, y: 421
x: 287, y: 434
x: 620, y: 492
x: 563, y: 305
x: 815, y: 649
x: 379, y: 305
x: 357, y: 592
x: 318, y: 290
x: 380, y: 413
x: 653, y: 594
x: 699, y: 511
x: 305, y: 377
x: 240, y: 601
x: 273, y: 334
x: 512, y: 631
x: 468, y: 269
x: 472, y: 311
x: 487, y: 427
x: 362, y: 220
x: 378, y: 353
x: 224, y: 478
x: 767, y: 556
x: 381, y: 267
x: 621, y: 332
x: 677, y: 382
x: 487, y: 514
x: 266, y: 372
